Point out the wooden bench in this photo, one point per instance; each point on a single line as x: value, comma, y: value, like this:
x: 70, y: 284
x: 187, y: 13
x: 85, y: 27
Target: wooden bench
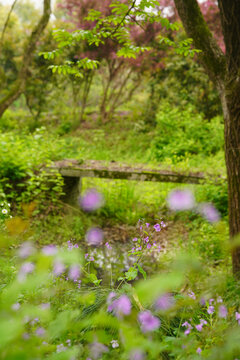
x: 73, y: 170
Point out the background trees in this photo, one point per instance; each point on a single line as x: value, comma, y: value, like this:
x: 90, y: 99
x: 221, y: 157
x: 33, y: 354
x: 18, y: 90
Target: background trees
x: 18, y: 85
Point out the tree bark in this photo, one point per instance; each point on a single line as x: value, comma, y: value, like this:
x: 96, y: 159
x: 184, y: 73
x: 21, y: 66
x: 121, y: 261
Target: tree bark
x: 19, y: 85
x: 223, y: 69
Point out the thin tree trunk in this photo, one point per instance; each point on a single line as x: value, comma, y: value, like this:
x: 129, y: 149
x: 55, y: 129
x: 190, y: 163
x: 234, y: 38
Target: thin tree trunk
x: 7, y: 21
x: 19, y: 85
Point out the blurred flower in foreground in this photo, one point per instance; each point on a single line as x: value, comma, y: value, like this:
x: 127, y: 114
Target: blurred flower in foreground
x: 199, y: 350
x: 94, y: 236
x: 137, y: 354
x: 148, y: 321
x: 49, y: 250
x: 237, y: 315
x: 210, y: 309
x: 74, y: 272
x: 97, y: 349
x: 26, y: 249
x: 121, y: 306
x: 222, y: 312
x: 181, y: 200
x: 164, y: 302
x: 58, y: 268
x: 40, y: 331
x: 16, y: 306
x: 26, y: 268
x: 91, y: 200
x: 209, y: 212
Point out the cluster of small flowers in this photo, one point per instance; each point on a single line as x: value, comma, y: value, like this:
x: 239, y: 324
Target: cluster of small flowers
x: 181, y: 200
x: 5, y: 210
x: 27, y: 249
x: 71, y: 246
x: 145, y: 240
x: 120, y: 306
x: 34, y: 327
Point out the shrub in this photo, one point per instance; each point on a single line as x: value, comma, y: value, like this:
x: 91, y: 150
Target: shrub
x: 180, y: 132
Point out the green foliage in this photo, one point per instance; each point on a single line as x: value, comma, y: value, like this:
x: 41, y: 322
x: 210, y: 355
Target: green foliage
x: 23, y: 178
x: 180, y: 132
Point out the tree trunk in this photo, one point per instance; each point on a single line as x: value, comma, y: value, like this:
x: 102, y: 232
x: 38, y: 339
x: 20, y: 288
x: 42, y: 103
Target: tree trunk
x: 231, y: 110
x: 223, y: 69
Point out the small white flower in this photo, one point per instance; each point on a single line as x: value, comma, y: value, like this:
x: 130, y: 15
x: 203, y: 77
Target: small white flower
x: 9, y: 204
x: 115, y: 344
x: 4, y: 211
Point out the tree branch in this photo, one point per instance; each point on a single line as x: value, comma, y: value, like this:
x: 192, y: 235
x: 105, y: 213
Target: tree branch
x: 19, y: 85
x: 196, y: 28
x: 229, y: 13
x: 7, y: 21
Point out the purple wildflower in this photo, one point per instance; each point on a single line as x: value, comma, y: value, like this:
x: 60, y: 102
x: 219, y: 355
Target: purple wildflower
x: 137, y: 354
x: 209, y: 212
x: 164, y: 302
x: 237, y: 316
x: 25, y: 269
x: 135, y: 239
x: 26, y: 249
x: 188, y: 327
x: 74, y: 272
x: 148, y: 321
x: 110, y: 297
x: 163, y: 224
x: 199, y: 350
x: 192, y: 295
x: 200, y: 326
x: 40, y: 332
x: 202, y: 301
x: 97, y: 349
x: 181, y: 200
x: 61, y: 348
x: 149, y: 246
x: 45, y: 306
x: 108, y: 246
x: 146, y: 239
x: 68, y: 341
x: 58, y: 268
x: 147, y: 225
x: 49, y: 250
x: 121, y: 306
x: 210, y: 309
x: 94, y: 236
x: 157, y: 227
x: 91, y: 200
x: 222, y: 312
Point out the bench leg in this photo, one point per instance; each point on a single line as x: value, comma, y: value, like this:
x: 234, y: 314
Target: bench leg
x: 72, y: 190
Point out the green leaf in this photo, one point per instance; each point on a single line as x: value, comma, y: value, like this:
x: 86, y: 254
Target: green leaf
x: 144, y: 274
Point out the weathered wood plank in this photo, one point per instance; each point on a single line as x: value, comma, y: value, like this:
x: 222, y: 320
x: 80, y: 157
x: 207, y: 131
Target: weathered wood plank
x: 116, y: 171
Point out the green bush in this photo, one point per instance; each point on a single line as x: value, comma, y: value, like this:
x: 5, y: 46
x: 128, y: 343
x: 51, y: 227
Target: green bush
x: 180, y: 132
x: 22, y: 161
